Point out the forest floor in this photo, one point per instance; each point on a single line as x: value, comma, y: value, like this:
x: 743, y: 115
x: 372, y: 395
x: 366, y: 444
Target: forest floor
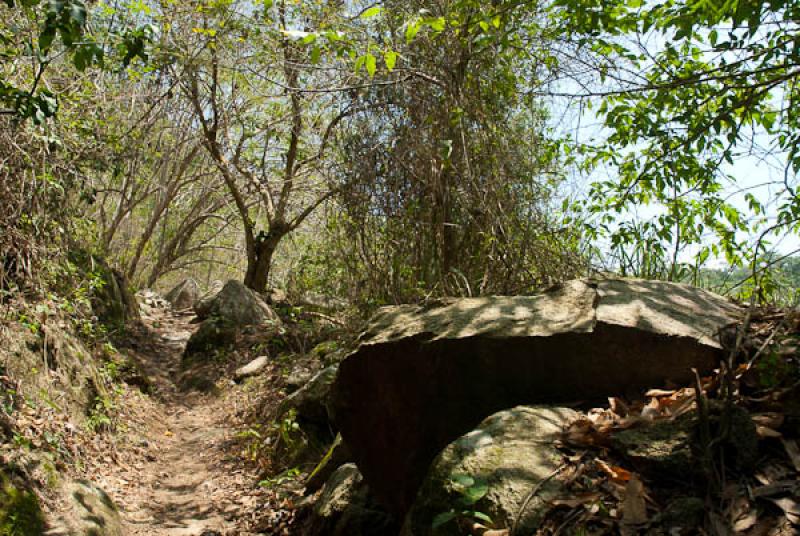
x: 185, y: 463
x: 178, y: 470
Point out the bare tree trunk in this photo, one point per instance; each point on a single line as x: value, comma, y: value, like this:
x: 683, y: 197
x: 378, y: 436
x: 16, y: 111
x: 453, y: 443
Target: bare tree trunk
x: 259, y: 264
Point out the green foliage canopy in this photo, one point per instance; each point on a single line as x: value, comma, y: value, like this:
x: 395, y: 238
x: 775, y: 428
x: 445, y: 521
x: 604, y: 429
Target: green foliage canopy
x: 32, y: 29
x: 688, y: 89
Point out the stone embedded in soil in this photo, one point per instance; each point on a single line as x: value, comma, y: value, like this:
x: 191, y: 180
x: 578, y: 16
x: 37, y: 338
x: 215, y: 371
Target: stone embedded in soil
x: 96, y: 512
x: 660, y: 449
x: 312, y: 400
x: 253, y: 368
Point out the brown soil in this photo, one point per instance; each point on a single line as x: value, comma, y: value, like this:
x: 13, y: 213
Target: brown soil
x: 178, y: 471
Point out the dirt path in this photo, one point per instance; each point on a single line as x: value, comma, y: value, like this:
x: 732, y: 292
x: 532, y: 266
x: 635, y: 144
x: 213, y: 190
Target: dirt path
x: 179, y: 477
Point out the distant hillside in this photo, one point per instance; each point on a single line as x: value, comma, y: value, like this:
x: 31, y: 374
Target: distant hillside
x: 781, y: 282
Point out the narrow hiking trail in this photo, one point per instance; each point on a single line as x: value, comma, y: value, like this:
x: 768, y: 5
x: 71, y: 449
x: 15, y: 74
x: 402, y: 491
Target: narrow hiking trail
x: 179, y: 472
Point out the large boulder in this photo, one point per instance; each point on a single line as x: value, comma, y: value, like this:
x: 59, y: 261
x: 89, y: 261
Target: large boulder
x: 237, y: 305
x: 346, y: 507
x: 184, y: 295
x: 425, y: 375
x: 492, y: 470
x: 202, y: 307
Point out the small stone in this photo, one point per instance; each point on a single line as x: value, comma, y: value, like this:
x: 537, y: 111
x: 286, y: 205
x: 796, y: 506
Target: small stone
x: 251, y: 369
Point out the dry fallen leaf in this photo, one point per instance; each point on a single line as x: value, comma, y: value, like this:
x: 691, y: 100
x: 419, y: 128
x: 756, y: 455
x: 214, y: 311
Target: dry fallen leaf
x: 765, y: 432
x: 790, y: 507
x: 618, y: 406
x: 652, y: 409
x: 583, y: 433
x: 659, y: 392
x: 793, y: 451
x: 746, y: 522
x: 577, y: 499
x: 770, y: 420
x: 634, y: 509
x: 617, y: 474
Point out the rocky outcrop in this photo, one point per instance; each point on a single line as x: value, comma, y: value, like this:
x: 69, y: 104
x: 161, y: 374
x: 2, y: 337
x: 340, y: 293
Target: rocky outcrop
x: 184, y: 295
x: 423, y: 376
x: 492, y: 470
x: 336, y: 456
x: 307, y: 408
x: 112, y: 299
x: 346, y: 507
x: 311, y: 401
x: 237, y: 305
x: 149, y: 302
x: 89, y: 511
x: 213, y: 334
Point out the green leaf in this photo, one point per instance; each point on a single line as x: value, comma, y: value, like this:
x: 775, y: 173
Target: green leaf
x: 481, y: 516
x: 77, y: 12
x: 359, y: 63
x: 46, y: 37
x: 372, y: 12
x: 315, y: 54
x: 371, y: 64
x: 412, y: 29
x: 444, y: 517
x: 463, y: 480
x: 390, y: 58
x: 475, y: 493
x: 437, y: 24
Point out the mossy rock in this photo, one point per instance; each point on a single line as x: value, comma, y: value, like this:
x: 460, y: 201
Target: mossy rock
x: 346, y: 507
x: 20, y: 513
x: 112, y: 301
x: 214, y: 334
x: 492, y: 470
x: 683, y: 512
x: 661, y: 448
x: 323, y: 350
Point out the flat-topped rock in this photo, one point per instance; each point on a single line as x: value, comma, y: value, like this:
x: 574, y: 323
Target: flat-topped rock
x: 425, y: 375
